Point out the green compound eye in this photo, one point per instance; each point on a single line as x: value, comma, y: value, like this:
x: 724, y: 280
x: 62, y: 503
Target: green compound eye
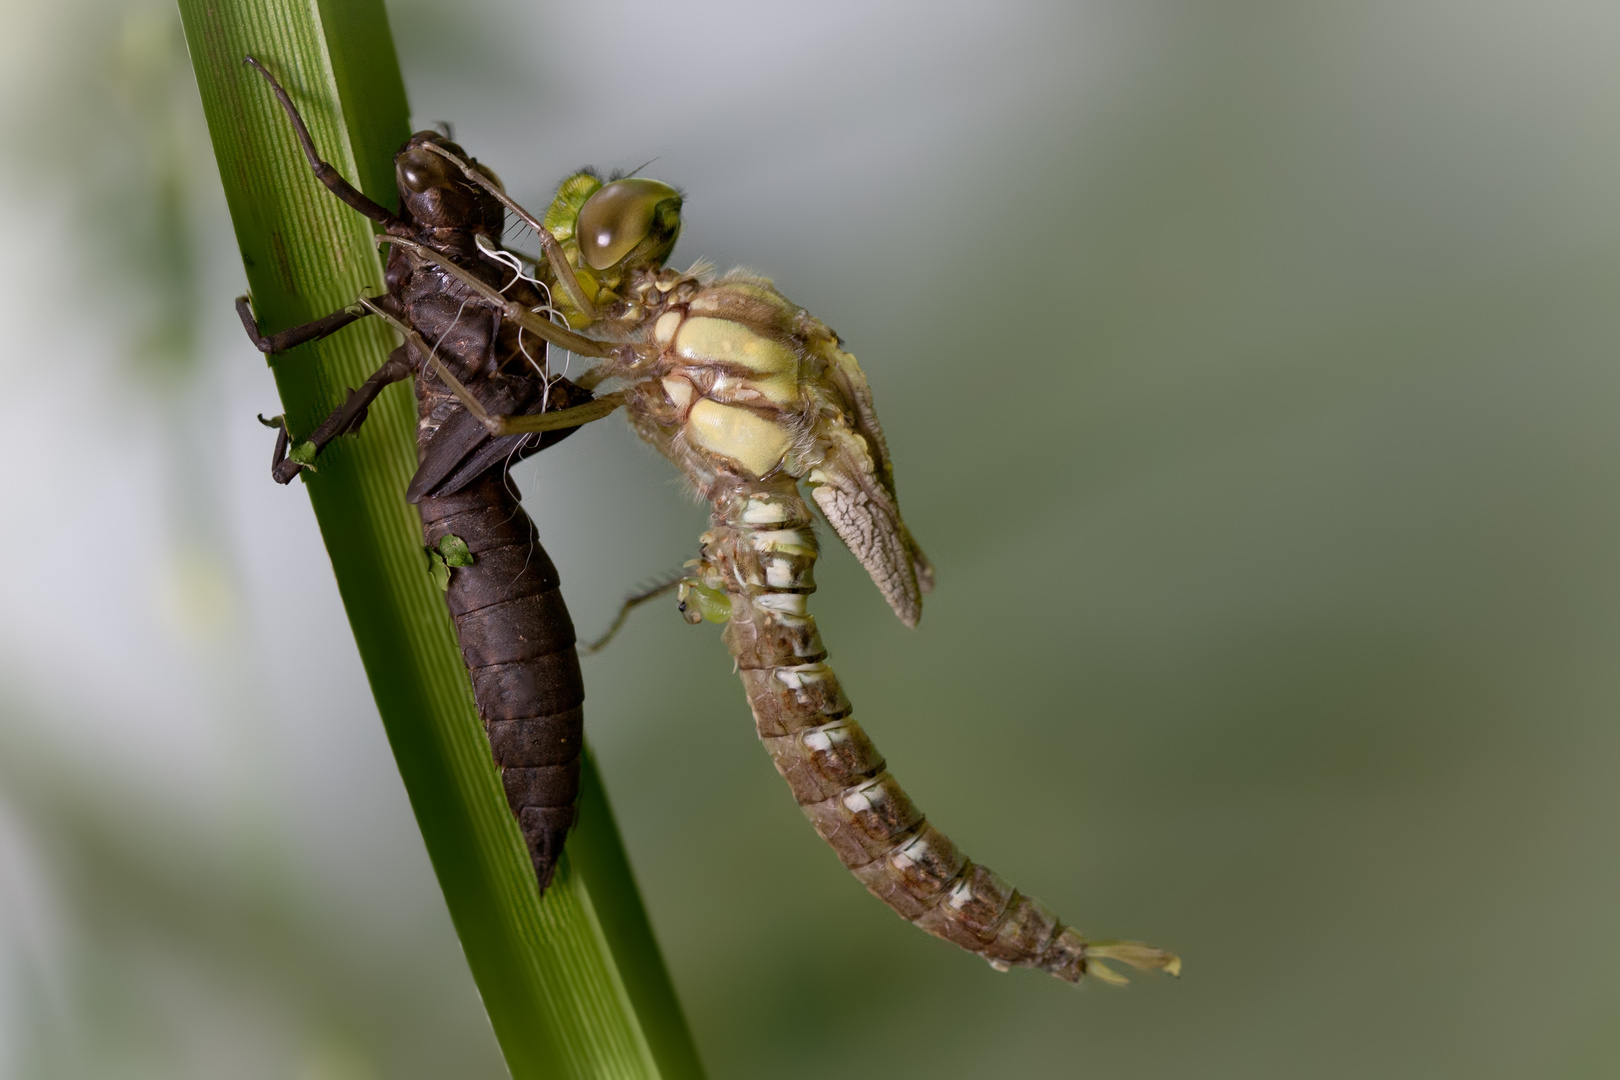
x: 619, y: 217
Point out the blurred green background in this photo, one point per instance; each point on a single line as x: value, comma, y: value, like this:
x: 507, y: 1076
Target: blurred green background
x: 1250, y: 373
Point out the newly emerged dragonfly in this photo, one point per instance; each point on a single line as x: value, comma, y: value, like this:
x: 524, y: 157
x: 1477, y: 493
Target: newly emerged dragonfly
x: 749, y: 396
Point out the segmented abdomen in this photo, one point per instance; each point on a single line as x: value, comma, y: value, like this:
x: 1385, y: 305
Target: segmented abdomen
x: 762, y: 553
x: 518, y: 643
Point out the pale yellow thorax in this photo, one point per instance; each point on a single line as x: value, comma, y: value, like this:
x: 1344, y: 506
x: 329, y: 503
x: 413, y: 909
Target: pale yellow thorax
x: 747, y: 438
x: 719, y: 422
x: 701, y: 339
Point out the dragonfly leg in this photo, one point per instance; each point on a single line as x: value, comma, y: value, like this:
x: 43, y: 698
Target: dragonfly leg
x: 554, y: 420
x: 538, y: 325
x: 344, y: 419
x: 663, y: 588
x: 297, y: 335
x: 324, y: 172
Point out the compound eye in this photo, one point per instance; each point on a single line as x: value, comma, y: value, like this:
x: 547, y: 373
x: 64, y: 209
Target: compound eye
x: 619, y: 217
x: 421, y: 169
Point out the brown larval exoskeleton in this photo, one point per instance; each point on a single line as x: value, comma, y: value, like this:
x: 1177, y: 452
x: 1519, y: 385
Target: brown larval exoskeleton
x: 503, y: 593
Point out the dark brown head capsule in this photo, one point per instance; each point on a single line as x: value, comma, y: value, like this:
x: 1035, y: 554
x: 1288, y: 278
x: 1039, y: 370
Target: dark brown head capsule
x: 434, y: 193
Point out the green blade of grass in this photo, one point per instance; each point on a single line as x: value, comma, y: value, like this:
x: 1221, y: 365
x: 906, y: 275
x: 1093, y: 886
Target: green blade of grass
x: 574, y: 983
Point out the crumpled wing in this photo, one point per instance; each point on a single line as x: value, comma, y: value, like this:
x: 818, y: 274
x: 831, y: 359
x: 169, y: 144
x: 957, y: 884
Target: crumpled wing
x: 854, y: 486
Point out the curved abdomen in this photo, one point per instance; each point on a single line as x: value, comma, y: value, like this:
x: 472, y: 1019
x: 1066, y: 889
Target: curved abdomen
x: 518, y: 643
x: 761, y: 552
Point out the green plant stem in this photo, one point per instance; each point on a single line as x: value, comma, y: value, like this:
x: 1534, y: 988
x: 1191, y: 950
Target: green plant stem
x: 574, y: 984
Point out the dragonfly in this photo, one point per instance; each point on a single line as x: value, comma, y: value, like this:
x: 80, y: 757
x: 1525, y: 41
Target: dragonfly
x: 757, y: 403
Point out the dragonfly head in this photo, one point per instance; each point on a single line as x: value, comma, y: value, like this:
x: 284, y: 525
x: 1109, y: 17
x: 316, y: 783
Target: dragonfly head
x: 433, y: 192
x: 609, y: 228
x: 628, y: 223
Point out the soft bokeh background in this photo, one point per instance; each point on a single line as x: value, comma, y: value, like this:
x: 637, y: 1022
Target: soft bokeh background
x: 1251, y: 373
